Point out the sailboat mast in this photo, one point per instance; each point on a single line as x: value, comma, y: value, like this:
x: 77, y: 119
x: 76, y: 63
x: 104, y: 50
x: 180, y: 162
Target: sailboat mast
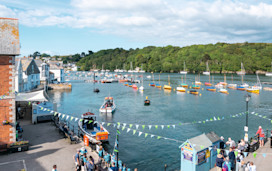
x: 159, y: 78
x: 185, y: 78
x: 168, y: 80
x: 232, y: 78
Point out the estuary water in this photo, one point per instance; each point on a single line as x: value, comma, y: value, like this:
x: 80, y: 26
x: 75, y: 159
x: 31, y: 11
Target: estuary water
x: 167, y: 108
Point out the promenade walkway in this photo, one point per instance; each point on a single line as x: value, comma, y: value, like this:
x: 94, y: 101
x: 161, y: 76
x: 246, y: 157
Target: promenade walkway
x: 47, y: 147
x: 262, y: 163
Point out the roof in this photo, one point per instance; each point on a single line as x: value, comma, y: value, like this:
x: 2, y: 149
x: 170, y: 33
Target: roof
x: 9, y: 36
x: 200, y: 141
x: 17, y: 63
x: 25, y: 63
x: 39, y: 62
x: 213, y: 137
x: 56, y: 64
x: 32, y: 96
x: 28, y: 70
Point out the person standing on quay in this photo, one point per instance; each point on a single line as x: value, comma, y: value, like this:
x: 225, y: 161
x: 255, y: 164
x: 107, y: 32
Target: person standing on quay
x: 232, y: 158
x: 218, y: 162
x: 260, y: 132
x: 54, y: 168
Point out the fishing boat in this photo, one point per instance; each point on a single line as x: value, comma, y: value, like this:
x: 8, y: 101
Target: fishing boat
x: 167, y: 87
x: 184, y: 69
x: 108, y: 106
x: 211, y: 88
x: 253, y: 90
x: 242, y: 72
x: 207, y: 72
x: 224, y: 91
x: 193, y: 92
x: 269, y: 74
x: 90, y: 127
x: 158, y: 85
x: 196, y: 87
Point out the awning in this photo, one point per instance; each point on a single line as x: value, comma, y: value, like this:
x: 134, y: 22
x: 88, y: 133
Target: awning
x: 31, y: 96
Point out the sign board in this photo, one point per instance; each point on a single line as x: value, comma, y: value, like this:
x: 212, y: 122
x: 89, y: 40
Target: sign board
x: 201, y: 157
x: 86, y: 140
x: 188, y: 155
x: 246, y: 137
x: 188, y: 147
x: 246, y: 129
x: 208, y: 153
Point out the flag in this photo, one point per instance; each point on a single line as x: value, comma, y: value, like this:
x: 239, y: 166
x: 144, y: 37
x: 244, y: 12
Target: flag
x: 85, y: 121
x: 174, y: 126
x: 123, y: 128
x: 52, y: 111
x: 72, y: 118
x: 151, y: 136
x: 218, y: 118
x: 41, y: 108
x: 76, y: 119
x: 140, y: 133
x: 162, y: 126
x: 201, y: 147
x: 118, y: 123
x: 128, y: 129
x: 245, y: 153
x: 168, y: 126
x: 149, y: 126
x: 48, y: 110
x: 130, y: 125
x: 118, y: 132
x: 102, y: 123
x: 124, y: 124
x: 254, y: 154
x: 204, y: 121
x: 158, y: 137
x: 264, y: 155
x: 218, y: 151
x: 179, y: 123
x: 156, y: 126
x: 134, y: 131
x: 236, y: 153
x: 214, y: 118
x: 115, y: 150
x: 137, y: 126
x: 108, y: 124
x: 90, y: 121
x: 55, y: 113
x: 146, y: 134
x: 211, y: 119
x: 114, y: 125
x: 29, y: 103
x: 80, y: 120
x: 143, y: 127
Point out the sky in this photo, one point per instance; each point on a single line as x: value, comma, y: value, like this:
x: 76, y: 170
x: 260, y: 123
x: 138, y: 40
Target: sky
x: 67, y: 27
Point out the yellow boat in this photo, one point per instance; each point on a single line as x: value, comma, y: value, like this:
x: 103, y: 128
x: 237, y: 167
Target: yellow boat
x: 193, y: 92
x: 224, y: 91
x: 167, y: 87
x: 253, y: 90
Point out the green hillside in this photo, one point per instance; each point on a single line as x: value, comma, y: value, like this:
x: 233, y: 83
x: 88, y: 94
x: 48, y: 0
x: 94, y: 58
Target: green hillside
x: 221, y: 57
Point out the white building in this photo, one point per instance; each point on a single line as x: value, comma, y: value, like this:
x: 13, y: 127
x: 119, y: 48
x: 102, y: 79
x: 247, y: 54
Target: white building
x: 56, y: 67
x: 19, y: 82
x: 31, y: 74
x: 44, y: 70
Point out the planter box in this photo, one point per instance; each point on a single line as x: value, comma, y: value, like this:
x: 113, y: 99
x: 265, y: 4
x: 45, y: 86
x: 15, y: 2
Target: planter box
x: 18, y: 148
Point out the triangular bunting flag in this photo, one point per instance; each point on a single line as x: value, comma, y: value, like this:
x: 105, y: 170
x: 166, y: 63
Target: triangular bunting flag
x: 156, y: 126
x: 123, y: 128
x: 128, y: 129
x: 146, y: 134
x: 236, y: 153
x: 201, y: 147
x: 204, y: 121
x: 90, y: 121
x: 76, y: 119
x: 130, y: 125
x: 218, y: 151
x: 214, y: 118
x: 140, y: 133
x: 264, y: 155
x: 108, y: 124
x: 72, y: 118
x: 162, y: 126
x: 115, y: 150
x: 102, y: 123
x: 168, y: 126
x: 29, y: 103
x: 149, y: 126
x: 211, y: 119
x: 118, y: 132
x: 143, y: 126
x: 118, y: 123
x: 254, y: 154
x: 137, y: 126
x: 52, y: 111
x: 85, y: 121
x: 151, y: 136
x: 114, y: 125
x: 218, y: 118
x: 158, y: 137
x: 80, y: 120
x: 124, y: 124
x: 245, y: 154
x: 174, y: 126
x: 118, y: 127
x: 134, y: 131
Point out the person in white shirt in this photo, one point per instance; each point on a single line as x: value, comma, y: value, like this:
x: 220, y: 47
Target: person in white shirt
x: 231, y: 143
x: 251, y: 167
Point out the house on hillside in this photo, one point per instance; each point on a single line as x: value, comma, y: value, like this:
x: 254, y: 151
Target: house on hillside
x: 44, y: 70
x: 56, y: 67
x: 31, y: 74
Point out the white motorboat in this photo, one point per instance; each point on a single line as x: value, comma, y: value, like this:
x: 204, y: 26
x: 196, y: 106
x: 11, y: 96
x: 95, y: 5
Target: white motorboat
x: 108, y: 106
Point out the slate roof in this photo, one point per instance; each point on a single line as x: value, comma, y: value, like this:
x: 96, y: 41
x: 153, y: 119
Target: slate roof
x: 28, y: 70
x: 200, y: 141
x: 213, y: 137
x: 39, y: 62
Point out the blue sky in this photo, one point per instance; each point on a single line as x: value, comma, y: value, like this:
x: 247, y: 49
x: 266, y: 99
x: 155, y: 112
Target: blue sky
x: 72, y: 26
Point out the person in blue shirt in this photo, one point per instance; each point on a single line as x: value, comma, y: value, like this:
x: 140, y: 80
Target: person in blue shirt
x: 113, y: 167
x: 120, y: 164
x: 113, y: 158
x: 107, y: 159
x: 227, y: 164
x: 124, y: 167
x: 101, y: 152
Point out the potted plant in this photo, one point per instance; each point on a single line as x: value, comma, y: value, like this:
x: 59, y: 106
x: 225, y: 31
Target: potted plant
x: 6, y: 122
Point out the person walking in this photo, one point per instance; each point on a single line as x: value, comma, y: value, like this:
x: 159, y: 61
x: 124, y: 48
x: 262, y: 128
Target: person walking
x: 218, y: 162
x: 231, y: 143
x: 90, y: 164
x: 252, y: 167
x: 54, y: 168
x: 260, y: 132
x: 240, y: 157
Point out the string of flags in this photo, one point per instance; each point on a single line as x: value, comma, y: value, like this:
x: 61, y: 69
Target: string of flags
x: 6, y: 94
x: 261, y: 116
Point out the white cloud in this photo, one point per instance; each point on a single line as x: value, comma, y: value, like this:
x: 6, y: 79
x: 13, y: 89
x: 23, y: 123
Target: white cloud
x: 158, y: 21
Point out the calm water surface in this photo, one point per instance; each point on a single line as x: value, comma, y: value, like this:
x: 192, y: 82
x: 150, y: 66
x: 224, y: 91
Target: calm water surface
x: 166, y: 108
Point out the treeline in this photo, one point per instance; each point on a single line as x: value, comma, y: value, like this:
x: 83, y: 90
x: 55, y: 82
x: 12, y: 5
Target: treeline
x: 222, y: 57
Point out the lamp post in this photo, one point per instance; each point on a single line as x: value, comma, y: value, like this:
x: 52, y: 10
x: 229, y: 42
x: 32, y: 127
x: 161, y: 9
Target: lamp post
x: 247, y: 98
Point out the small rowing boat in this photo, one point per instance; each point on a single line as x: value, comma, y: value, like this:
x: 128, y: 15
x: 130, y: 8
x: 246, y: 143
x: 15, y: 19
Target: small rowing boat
x: 196, y: 87
x: 224, y: 91
x: 134, y: 86
x: 211, y: 89
x: 108, y: 106
x: 242, y: 88
x: 167, y: 87
x: 181, y: 89
x: 193, y: 92
x: 92, y: 128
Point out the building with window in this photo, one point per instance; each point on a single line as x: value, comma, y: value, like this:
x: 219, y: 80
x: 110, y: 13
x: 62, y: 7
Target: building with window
x: 31, y: 74
x: 19, y: 81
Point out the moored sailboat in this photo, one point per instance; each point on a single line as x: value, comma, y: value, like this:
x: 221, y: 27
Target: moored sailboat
x: 184, y: 69
x: 167, y: 87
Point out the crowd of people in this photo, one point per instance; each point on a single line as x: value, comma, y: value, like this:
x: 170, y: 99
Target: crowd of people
x: 232, y: 162
x: 106, y: 161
